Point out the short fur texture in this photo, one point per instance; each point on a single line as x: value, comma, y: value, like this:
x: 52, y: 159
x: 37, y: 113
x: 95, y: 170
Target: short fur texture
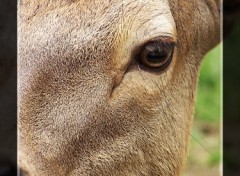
x: 85, y: 107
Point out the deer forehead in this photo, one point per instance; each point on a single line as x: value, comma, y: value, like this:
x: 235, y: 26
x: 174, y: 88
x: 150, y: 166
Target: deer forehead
x: 106, y: 31
x: 80, y: 23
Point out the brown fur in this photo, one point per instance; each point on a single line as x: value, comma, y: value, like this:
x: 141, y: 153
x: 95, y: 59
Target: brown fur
x: 85, y: 107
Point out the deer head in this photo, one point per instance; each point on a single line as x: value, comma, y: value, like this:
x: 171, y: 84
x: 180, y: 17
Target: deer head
x: 108, y: 87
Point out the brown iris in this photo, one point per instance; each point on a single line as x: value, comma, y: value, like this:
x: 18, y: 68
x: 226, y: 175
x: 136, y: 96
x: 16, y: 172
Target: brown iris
x: 156, y: 54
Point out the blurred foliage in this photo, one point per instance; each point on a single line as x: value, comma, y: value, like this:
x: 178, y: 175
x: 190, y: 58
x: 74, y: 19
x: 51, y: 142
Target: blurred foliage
x: 204, y: 154
x: 208, y: 96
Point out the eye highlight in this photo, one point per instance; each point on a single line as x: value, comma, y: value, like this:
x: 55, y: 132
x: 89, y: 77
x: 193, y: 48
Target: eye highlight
x: 157, y: 54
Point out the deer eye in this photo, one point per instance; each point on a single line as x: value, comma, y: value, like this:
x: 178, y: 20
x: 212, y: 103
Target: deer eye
x: 157, y: 55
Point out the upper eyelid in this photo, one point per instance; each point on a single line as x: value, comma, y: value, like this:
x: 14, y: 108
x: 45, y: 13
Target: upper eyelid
x: 159, y: 39
x: 162, y: 40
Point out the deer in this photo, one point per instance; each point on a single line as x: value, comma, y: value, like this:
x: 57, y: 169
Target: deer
x: 108, y: 87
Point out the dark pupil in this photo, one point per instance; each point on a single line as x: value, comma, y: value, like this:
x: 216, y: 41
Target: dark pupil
x: 156, y: 56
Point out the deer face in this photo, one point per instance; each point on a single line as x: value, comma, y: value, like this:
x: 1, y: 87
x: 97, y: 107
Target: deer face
x: 107, y: 87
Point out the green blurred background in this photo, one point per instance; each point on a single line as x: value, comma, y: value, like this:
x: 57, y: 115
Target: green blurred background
x: 205, y: 151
